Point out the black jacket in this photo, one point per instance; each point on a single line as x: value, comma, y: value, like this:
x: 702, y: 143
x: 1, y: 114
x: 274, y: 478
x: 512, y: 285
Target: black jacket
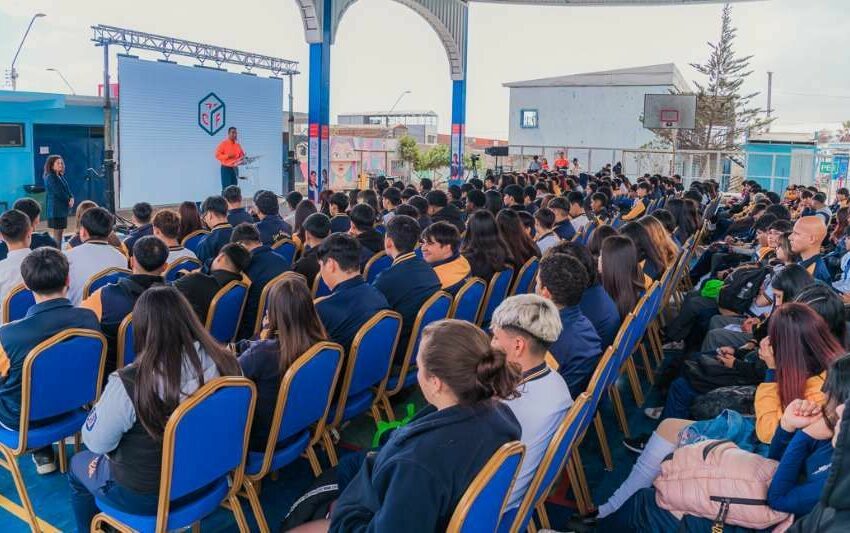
x: 371, y: 242
x: 452, y: 215
x: 308, y: 265
x: 200, y: 288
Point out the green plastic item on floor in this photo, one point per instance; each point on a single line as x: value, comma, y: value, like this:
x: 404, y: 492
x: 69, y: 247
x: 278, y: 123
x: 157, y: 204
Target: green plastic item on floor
x: 711, y: 289
x: 384, y: 427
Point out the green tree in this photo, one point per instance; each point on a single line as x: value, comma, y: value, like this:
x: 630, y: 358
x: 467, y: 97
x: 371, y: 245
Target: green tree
x: 435, y: 158
x: 407, y: 150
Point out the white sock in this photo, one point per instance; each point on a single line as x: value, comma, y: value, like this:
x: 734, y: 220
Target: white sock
x: 646, y: 469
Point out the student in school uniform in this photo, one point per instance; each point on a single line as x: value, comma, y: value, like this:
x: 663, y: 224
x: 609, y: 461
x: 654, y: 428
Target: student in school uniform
x: 544, y: 225
x: 265, y: 266
x: 45, y: 273
x: 214, y: 215
x: 338, y: 204
x: 236, y: 212
x: 409, y: 281
x: 16, y: 232
x: 316, y: 227
x: 578, y: 217
x: 95, y: 254
x: 200, y: 288
x: 352, y: 301
x: 363, y: 229
x: 142, y: 213
x: 390, y: 199
x: 32, y: 210
x: 166, y: 227
x: 641, y: 202
x: 563, y: 228
x: 271, y: 226
x: 113, y: 302
x: 441, y: 250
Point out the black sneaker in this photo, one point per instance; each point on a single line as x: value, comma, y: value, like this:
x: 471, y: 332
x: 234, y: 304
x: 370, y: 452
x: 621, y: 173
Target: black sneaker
x: 45, y: 460
x: 636, y: 444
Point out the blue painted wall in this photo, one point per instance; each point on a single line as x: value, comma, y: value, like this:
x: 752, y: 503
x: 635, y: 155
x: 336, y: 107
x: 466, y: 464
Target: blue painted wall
x: 17, y: 163
x: 760, y: 165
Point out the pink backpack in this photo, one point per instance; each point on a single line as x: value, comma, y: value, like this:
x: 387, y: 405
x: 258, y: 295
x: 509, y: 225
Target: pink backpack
x: 715, y: 479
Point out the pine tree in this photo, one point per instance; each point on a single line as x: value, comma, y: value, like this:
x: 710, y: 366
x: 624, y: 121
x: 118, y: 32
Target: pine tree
x: 724, y: 115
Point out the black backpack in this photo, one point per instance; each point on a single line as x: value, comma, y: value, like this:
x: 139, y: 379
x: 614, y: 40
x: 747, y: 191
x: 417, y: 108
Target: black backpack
x: 741, y: 287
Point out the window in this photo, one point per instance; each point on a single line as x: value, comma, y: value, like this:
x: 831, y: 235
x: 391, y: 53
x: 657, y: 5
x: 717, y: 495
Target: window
x: 11, y: 135
x: 528, y: 118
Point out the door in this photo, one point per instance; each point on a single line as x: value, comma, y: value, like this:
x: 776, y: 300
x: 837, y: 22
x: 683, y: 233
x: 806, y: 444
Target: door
x: 82, y: 149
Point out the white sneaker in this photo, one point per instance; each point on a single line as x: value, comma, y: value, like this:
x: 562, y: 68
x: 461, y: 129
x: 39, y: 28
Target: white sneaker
x: 653, y: 412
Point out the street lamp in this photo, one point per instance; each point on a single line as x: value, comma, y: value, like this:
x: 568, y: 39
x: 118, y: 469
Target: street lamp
x: 394, y: 105
x: 57, y: 71
x: 13, y: 74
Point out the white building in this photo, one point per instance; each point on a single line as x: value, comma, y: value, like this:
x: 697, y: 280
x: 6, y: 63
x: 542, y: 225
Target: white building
x: 591, y: 110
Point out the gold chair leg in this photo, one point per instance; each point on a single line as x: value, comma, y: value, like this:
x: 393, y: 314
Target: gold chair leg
x: 603, y: 442
x: 634, y: 381
x: 330, y: 449
x: 388, y: 408
x: 256, y: 508
x: 376, y: 413
x: 619, y: 410
x: 588, y: 500
x: 574, y: 484
x: 77, y: 442
x: 542, y: 516
x: 236, y: 508
x: 647, y: 367
x: 196, y: 527
x: 12, y: 465
x: 314, y: 461
x: 101, y: 519
x: 63, y: 457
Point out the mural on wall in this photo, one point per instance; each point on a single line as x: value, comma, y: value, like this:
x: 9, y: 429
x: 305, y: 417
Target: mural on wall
x: 351, y: 156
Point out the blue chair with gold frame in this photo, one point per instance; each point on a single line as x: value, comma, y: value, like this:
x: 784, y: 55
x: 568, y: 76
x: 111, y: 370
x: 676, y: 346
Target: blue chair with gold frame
x: 126, y: 352
x: 192, y: 240
x: 203, y: 460
x: 286, y: 248
x: 263, y: 304
x: 497, y: 291
x: 298, y: 423
x: 365, y: 375
x: 60, y: 377
x: 103, y: 278
x: 17, y: 303
x: 468, y: 300
x: 433, y: 309
x: 320, y: 288
x: 225, y: 311
x: 181, y: 266
x: 481, y: 506
x: 525, y: 278
x: 375, y: 265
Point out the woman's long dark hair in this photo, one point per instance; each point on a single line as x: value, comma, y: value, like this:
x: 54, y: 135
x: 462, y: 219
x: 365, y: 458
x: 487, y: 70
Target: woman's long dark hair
x: 461, y: 356
x: 620, y: 273
x: 836, y: 388
x: 594, y: 244
x: 827, y: 303
x: 165, y: 330
x: 686, y: 214
x: 190, y: 219
x: 646, y: 249
x: 304, y: 209
x: 493, y: 202
x: 293, y: 319
x: 48, y: 165
x: 520, y: 245
x: 370, y: 198
x: 803, y: 346
x: 483, y: 242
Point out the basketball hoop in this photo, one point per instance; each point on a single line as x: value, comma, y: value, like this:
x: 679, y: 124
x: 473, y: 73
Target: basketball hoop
x: 669, y: 118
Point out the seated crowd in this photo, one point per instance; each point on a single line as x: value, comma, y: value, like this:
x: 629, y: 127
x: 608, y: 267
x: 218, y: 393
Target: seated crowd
x: 753, y: 332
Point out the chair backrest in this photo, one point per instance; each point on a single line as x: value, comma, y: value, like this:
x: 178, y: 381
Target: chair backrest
x: 184, y: 264
x: 496, y: 292
x: 588, y: 231
x: 60, y: 375
x: 375, y: 265
x: 126, y: 350
x: 480, y: 507
x: 286, y: 248
x: 468, y: 300
x: 206, y: 440
x: 102, y: 278
x: 553, y: 460
x: 17, y: 303
x: 369, y: 360
x: 192, y: 240
x: 320, y: 288
x: 525, y: 277
x: 225, y: 311
x: 263, y: 304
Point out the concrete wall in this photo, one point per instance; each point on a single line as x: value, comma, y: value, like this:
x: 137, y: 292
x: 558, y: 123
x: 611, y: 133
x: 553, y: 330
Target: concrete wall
x: 605, y: 117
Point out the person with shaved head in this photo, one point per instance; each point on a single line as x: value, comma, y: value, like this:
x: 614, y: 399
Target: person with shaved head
x: 806, y: 238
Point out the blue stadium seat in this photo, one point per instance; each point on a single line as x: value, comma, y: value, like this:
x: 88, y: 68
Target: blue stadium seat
x: 225, y: 311
x: 525, y: 279
x: 320, y: 288
x: 192, y: 240
x: 468, y: 300
x: 376, y: 264
x: 286, y: 248
x: 126, y: 353
x: 17, y: 303
x: 181, y: 266
x: 497, y: 291
x: 103, y: 278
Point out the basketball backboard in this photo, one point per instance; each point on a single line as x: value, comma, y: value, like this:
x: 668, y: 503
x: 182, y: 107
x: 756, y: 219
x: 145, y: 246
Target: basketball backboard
x: 669, y: 111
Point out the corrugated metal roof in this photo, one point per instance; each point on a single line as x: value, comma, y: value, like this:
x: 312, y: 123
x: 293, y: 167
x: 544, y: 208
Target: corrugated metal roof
x: 665, y: 74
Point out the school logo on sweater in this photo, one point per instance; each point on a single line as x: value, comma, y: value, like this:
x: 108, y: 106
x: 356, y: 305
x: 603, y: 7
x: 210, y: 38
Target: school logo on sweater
x: 211, y: 114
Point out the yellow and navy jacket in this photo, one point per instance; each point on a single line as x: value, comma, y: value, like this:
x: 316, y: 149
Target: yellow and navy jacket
x: 17, y: 338
x: 200, y: 288
x: 406, y: 285
x: 210, y: 245
x: 142, y: 231
x: 452, y: 272
x: 113, y: 302
x: 238, y: 216
x: 349, y: 305
x: 638, y: 208
x: 817, y: 268
x: 265, y: 266
x: 272, y: 229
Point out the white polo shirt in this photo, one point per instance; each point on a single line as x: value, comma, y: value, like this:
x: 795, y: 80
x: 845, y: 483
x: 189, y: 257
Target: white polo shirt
x: 88, y: 259
x: 540, y: 409
x: 10, y: 273
x: 177, y: 253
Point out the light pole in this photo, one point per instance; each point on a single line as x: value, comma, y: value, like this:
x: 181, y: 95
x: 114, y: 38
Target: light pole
x: 13, y: 74
x: 57, y: 71
x: 394, y: 105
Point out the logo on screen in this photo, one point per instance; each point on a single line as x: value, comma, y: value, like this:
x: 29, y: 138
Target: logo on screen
x: 211, y: 114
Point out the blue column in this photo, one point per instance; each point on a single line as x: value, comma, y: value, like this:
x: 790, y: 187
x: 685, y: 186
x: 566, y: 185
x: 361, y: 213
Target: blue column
x: 318, y: 158
x: 459, y: 118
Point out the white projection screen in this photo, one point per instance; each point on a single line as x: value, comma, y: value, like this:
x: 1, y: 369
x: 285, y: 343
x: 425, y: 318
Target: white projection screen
x: 168, y: 135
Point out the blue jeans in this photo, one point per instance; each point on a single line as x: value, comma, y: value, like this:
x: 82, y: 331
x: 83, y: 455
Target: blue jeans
x: 640, y: 513
x: 90, y: 477
x: 680, y: 396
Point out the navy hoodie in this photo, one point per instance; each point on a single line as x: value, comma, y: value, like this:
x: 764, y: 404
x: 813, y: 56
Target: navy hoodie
x: 414, y: 483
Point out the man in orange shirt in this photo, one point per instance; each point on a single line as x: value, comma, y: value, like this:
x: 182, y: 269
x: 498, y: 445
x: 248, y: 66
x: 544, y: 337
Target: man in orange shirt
x: 561, y: 162
x: 230, y: 155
